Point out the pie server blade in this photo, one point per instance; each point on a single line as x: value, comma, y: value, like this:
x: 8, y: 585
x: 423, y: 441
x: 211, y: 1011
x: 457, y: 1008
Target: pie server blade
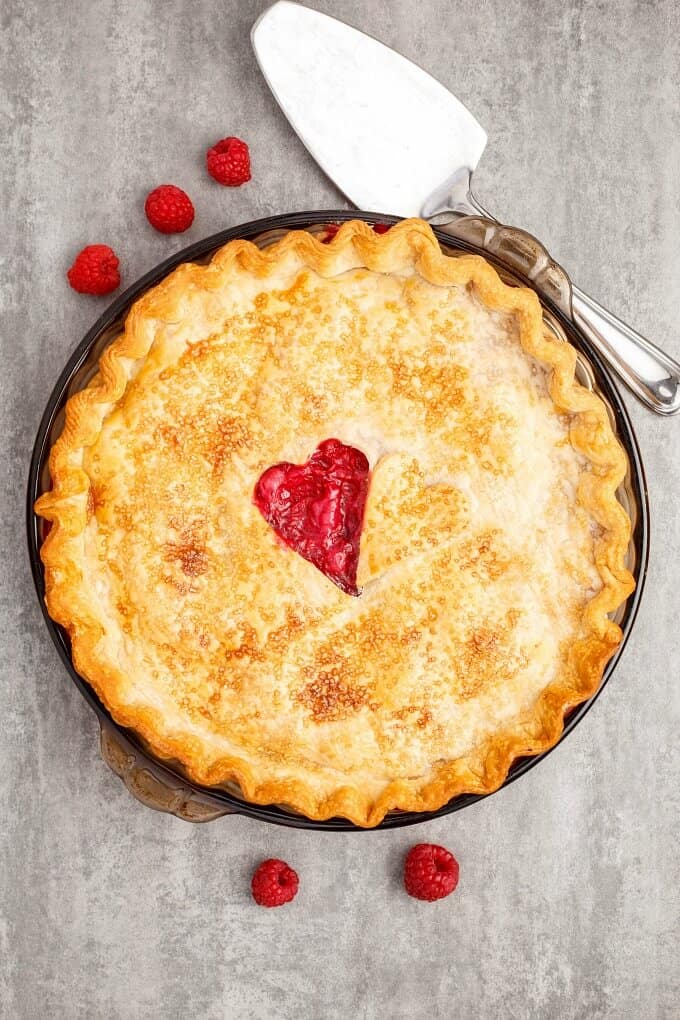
x: 396, y: 141
x: 386, y: 132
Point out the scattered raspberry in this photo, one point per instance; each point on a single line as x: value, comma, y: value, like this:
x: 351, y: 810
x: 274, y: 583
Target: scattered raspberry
x: 430, y: 872
x: 229, y: 162
x: 95, y: 270
x: 169, y: 209
x: 274, y: 884
x: 381, y: 228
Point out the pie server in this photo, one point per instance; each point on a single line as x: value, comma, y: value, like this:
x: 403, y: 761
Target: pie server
x: 395, y: 141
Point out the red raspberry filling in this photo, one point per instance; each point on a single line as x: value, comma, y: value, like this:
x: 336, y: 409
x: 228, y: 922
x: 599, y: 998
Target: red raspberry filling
x: 317, y: 508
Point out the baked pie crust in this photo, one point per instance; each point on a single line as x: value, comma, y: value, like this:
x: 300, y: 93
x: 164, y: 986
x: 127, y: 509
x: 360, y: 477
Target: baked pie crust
x: 492, y: 551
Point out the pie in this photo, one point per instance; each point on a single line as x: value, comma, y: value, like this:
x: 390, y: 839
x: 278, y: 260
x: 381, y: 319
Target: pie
x: 336, y: 523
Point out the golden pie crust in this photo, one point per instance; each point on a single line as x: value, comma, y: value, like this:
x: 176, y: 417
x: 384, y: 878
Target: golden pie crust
x: 492, y: 553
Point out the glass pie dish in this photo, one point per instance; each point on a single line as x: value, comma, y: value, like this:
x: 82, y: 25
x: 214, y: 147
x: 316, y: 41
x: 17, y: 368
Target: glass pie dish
x: 520, y: 260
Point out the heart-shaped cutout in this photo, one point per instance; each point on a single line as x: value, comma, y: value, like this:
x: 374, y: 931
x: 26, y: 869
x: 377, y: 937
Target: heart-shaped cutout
x: 317, y: 508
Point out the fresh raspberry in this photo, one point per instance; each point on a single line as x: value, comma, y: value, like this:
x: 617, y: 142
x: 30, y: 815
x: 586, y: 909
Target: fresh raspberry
x: 94, y: 270
x: 430, y: 872
x: 169, y: 209
x: 229, y: 162
x: 381, y: 228
x: 274, y: 883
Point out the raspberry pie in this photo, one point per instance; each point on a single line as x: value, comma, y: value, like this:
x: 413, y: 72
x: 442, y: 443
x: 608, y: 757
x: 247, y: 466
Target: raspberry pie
x: 336, y: 523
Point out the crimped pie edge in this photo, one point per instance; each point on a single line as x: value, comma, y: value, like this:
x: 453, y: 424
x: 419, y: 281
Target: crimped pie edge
x: 590, y: 433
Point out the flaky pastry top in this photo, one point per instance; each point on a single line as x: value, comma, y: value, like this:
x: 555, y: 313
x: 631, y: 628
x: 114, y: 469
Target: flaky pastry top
x: 491, y: 557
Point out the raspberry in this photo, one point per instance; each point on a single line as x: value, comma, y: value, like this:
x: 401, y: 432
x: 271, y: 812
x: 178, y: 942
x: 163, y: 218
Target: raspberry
x: 169, y: 209
x: 430, y: 872
x: 381, y: 228
x: 229, y: 162
x: 274, y: 884
x: 94, y: 270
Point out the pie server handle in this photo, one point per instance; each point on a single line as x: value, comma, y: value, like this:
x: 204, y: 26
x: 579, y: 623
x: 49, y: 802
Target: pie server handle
x: 651, y: 374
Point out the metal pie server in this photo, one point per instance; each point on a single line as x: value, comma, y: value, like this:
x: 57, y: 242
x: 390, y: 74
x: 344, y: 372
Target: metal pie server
x: 396, y: 141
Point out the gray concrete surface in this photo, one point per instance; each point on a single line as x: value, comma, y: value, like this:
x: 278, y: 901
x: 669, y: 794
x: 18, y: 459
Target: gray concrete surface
x: 568, y: 901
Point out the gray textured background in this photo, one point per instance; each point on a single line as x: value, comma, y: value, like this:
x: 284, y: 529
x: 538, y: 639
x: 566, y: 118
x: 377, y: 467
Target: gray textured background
x: 568, y: 900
